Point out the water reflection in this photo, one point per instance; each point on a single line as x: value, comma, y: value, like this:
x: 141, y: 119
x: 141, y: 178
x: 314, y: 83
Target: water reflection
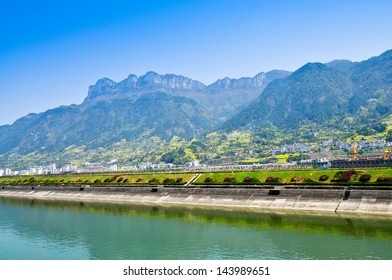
x: 84, y: 230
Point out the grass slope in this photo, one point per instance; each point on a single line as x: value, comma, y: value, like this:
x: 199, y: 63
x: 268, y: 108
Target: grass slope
x: 292, y: 177
x: 98, y: 179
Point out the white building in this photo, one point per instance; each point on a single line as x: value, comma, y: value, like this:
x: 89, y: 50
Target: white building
x: 129, y: 167
x: 69, y: 168
x: 93, y: 169
x: 1, y: 172
x: 113, y: 167
x: 193, y: 164
x: 8, y: 172
x: 144, y: 165
x: 52, y: 168
x: 36, y: 170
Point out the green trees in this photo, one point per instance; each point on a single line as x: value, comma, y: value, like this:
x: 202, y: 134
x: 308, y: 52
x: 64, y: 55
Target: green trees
x: 177, y: 156
x: 388, y: 137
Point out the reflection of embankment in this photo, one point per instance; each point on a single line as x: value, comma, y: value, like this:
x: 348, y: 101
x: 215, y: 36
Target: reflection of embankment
x: 249, y: 205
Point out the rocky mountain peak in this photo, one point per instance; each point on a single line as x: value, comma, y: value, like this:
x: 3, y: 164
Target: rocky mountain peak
x: 105, y: 83
x: 168, y: 81
x: 257, y: 82
x: 102, y: 87
x: 149, y: 81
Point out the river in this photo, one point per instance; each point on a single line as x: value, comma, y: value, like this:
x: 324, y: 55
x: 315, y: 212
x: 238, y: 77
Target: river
x: 45, y: 230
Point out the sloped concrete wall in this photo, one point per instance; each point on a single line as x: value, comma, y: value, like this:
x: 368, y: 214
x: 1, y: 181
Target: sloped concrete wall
x: 299, y: 199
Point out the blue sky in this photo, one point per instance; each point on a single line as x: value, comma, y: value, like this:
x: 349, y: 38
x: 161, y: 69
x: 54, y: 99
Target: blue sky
x: 51, y: 51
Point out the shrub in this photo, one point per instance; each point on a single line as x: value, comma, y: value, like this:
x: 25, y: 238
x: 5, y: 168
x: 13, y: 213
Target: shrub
x: 251, y: 180
x: 271, y: 180
x: 365, y: 177
x: 229, y: 179
x: 113, y: 178
x: 208, y: 180
x: 153, y: 180
x: 106, y: 180
x: 384, y: 179
x: 119, y: 180
x: 323, y: 178
x: 138, y: 180
x: 168, y: 180
x: 179, y: 180
x: 297, y: 179
x: 125, y: 180
x: 97, y: 181
x: 248, y: 180
x: 344, y: 176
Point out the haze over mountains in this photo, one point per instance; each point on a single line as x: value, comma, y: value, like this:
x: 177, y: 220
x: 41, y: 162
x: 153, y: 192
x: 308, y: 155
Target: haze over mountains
x: 167, y: 106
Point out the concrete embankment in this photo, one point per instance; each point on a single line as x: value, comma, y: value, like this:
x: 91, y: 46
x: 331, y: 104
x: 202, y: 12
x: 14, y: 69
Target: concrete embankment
x: 376, y: 201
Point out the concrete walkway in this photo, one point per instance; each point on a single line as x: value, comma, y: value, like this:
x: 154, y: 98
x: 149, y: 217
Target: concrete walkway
x: 192, y: 180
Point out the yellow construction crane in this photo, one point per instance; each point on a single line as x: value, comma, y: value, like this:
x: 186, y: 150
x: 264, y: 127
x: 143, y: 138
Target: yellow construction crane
x: 354, y: 150
x: 387, y: 154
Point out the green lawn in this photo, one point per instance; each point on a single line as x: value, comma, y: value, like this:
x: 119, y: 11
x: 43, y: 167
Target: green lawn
x: 120, y: 179
x: 264, y: 177
x: 308, y: 177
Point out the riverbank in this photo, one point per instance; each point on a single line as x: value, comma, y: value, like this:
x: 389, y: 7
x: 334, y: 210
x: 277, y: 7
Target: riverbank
x: 339, y: 200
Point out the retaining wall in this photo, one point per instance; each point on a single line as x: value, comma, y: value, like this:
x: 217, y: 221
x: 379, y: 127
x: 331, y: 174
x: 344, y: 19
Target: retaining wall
x: 294, y: 199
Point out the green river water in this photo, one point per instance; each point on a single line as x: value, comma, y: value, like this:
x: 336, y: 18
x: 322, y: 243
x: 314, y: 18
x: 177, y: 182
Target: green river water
x: 31, y: 229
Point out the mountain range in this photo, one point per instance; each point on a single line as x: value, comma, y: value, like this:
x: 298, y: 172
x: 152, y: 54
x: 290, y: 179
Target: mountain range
x: 222, y: 98
x: 340, y: 94
x: 151, y: 105
x: 318, y: 93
